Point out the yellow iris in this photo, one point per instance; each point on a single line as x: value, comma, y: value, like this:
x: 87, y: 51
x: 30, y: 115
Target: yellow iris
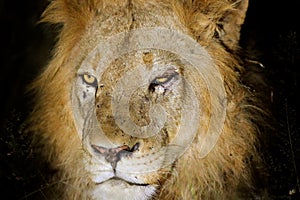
x: 162, y: 79
x: 89, y: 79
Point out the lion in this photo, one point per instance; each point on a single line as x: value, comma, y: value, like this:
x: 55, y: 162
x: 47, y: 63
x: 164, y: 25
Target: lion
x: 144, y: 100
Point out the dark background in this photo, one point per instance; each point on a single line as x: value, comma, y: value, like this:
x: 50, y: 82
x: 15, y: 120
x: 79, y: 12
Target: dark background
x: 270, y: 33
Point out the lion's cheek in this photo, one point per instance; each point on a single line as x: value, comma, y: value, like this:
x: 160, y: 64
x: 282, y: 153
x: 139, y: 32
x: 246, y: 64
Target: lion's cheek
x: 159, y: 177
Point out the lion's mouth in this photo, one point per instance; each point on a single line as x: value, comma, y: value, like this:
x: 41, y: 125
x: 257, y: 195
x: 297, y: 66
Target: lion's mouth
x: 119, y: 181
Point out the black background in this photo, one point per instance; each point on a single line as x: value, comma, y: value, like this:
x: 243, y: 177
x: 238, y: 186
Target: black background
x: 270, y: 33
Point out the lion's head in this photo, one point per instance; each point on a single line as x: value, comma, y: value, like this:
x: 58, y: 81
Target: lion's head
x: 142, y: 99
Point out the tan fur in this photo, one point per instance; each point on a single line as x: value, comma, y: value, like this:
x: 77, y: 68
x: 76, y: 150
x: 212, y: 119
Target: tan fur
x: 215, y: 24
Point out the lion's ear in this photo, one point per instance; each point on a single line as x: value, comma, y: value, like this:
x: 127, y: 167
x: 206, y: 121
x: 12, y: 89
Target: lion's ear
x: 219, y: 19
x: 232, y: 22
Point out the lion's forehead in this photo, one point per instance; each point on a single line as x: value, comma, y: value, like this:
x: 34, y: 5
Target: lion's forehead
x: 123, y: 18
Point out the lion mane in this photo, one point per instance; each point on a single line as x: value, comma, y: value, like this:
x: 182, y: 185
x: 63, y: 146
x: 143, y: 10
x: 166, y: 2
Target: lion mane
x: 224, y: 173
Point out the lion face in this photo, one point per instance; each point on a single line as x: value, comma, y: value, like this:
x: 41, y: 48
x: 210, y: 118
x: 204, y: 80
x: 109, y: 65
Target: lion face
x: 136, y: 109
x: 122, y: 123
x: 135, y: 116
x: 143, y: 100
x: 124, y: 127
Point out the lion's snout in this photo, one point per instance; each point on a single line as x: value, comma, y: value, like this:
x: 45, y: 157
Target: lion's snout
x: 114, y: 155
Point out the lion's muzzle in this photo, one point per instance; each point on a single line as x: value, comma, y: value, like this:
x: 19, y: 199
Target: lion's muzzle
x: 114, y: 155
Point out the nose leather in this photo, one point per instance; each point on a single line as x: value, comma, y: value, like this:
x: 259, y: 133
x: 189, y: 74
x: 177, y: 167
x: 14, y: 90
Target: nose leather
x: 114, y: 155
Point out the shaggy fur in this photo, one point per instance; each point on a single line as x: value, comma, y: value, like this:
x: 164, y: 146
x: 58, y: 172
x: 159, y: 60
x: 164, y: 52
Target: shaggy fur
x: 225, y: 172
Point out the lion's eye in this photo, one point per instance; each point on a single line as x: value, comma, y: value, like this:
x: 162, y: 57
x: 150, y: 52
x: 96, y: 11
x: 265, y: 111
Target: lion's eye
x: 90, y: 80
x: 161, y: 80
x: 163, y: 83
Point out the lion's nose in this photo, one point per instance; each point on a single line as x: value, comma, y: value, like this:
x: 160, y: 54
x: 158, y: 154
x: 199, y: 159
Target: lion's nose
x: 114, y: 155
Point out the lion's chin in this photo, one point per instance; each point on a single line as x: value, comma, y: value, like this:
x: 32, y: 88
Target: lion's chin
x: 119, y: 189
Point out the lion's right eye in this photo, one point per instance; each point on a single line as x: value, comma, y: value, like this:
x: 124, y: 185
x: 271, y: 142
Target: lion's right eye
x: 90, y: 80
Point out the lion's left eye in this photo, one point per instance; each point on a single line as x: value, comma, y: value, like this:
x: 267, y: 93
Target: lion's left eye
x: 90, y: 80
x: 163, y: 83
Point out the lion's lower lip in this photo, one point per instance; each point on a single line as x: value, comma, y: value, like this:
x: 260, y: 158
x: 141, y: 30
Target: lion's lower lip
x: 116, y: 181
